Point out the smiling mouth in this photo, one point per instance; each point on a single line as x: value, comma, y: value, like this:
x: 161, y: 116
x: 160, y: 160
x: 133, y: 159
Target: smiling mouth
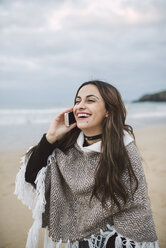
x: 83, y: 116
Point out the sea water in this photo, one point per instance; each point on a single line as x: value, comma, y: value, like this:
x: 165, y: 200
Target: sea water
x: 23, y: 127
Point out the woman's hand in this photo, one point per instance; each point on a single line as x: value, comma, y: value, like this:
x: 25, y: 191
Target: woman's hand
x: 58, y: 128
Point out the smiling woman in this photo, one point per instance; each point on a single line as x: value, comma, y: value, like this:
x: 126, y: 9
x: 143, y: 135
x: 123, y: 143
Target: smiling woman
x: 88, y: 185
x: 89, y: 110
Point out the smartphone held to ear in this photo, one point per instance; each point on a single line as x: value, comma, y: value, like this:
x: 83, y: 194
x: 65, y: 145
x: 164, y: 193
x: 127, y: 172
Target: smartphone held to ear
x: 69, y: 118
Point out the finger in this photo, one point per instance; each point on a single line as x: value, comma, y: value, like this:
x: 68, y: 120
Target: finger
x: 72, y: 126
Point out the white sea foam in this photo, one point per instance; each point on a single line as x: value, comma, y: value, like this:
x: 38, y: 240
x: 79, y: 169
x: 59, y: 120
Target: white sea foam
x: 146, y: 110
x: 27, y: 116
x: 147, y: 115
x: 140, y: 111
x: 21, y: 128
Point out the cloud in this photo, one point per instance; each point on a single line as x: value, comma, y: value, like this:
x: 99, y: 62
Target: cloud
x: 113, y: 14
x: 13, y: 63
x: 71, y: 41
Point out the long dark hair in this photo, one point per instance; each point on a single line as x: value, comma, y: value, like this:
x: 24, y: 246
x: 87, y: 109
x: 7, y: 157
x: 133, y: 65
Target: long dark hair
x: 114, y: 159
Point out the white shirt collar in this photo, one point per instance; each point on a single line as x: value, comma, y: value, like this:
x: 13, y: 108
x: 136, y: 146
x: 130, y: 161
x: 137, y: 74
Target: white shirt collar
x: 96, y: 147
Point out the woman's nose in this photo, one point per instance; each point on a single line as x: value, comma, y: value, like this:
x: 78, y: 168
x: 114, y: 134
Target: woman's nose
x: 81, y: 105
x: 78, y: 107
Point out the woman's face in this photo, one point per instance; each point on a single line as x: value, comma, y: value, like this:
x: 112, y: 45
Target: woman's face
x: 89, y: 110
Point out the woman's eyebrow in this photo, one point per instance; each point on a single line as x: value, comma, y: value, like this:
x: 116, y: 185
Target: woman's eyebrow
x: 92, y: 95
x: 88, y: 96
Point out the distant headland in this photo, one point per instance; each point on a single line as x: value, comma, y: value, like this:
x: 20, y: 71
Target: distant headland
x: 156, y: 97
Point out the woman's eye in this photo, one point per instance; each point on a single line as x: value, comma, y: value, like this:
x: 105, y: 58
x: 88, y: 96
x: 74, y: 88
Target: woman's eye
x: 89, y: 100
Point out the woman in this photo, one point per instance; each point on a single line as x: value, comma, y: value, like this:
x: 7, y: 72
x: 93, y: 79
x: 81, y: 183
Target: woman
x: 88, y: 178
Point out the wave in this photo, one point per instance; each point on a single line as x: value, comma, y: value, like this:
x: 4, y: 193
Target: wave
x: 30, y: 111
x: 27, y: 116
x: 147, y: 115
x: 17, y: 117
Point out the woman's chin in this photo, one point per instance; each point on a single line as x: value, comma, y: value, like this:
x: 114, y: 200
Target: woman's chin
x: 82, y: 126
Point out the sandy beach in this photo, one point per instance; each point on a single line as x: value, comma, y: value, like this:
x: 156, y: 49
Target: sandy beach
x: 16, y: 219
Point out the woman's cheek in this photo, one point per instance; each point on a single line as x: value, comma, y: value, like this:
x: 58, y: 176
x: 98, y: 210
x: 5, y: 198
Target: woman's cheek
x: 74, y: 110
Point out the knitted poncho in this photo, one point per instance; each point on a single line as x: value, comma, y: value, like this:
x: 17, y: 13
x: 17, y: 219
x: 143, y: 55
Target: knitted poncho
x: 60, y: 202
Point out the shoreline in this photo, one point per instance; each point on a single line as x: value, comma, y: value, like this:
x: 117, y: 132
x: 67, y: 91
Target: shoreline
x: 17, y: 219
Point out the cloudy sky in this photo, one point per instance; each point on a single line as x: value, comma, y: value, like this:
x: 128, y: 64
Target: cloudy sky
x: 48, y: 48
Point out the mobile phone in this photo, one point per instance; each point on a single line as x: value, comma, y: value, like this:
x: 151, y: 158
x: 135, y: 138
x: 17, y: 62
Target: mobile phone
x: 69, y: 118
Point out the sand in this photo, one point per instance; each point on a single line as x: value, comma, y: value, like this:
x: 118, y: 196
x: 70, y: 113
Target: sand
x: 16, y: 219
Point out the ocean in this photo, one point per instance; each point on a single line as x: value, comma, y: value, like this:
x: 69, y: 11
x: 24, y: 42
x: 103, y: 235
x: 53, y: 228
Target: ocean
x: 23, y: 127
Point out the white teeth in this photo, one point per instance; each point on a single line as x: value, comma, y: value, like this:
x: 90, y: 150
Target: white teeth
x: 83, y: 115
